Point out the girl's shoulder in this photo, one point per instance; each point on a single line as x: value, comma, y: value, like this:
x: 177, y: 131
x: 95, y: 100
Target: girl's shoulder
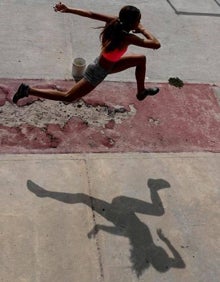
x: 129, y: 38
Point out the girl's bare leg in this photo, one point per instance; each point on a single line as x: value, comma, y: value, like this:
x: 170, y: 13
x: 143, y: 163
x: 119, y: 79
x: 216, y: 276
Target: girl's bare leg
x: 80, y: 89
x: 138, y: 61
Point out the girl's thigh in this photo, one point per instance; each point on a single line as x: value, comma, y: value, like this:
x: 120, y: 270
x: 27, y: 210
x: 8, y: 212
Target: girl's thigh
x: 127, y: 62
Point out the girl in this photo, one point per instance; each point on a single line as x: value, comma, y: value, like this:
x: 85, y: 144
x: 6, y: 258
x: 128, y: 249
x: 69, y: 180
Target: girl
x: 115, y: 39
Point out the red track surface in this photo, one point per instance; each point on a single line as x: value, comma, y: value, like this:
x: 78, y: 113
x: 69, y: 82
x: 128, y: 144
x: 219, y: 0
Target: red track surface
x: 175, y: 120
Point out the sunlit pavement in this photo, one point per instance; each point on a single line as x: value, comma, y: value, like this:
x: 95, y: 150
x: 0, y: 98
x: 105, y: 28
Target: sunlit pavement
x: 110, y: 188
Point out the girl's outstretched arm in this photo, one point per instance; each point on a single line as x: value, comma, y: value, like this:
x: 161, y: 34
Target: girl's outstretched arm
x: 60, y: 7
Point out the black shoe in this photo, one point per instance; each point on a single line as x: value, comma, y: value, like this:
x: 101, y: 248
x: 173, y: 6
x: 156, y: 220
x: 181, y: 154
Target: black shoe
x: 147, y: 92
x: 21, y: 92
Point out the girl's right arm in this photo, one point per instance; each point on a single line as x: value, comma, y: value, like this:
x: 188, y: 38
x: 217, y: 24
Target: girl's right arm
x: 60, y: 7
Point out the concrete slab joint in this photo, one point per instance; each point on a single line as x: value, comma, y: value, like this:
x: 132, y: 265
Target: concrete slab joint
x: 196, y: 7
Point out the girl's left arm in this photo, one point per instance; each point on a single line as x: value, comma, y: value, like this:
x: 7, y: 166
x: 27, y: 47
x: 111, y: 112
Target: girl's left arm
x: 149, y: 40
x: 60, y: 7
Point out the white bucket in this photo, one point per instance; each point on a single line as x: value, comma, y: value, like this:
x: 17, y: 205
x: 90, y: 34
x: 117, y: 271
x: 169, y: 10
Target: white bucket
x: 78, y: 68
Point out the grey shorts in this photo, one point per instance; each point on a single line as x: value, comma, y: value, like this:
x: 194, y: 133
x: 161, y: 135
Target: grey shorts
x: 94, y: 73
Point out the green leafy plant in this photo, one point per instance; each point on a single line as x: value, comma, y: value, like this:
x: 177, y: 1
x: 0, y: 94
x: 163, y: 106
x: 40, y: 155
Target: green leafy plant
x: 176, y: 81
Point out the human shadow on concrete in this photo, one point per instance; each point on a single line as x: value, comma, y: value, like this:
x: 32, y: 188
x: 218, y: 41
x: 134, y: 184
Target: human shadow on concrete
x: 121, y: 212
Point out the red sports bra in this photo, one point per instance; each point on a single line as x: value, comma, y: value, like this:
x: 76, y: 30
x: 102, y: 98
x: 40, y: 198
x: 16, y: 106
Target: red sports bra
x: 114, y: 55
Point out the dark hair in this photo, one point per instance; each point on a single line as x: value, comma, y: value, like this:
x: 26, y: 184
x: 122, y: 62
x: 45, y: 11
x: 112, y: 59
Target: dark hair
x: 114, y: 32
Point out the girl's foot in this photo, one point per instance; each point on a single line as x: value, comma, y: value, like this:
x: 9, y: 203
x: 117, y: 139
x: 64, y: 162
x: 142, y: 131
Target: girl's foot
x: 157, y: 184
x: 37, y: 190
x: 21, y: 92
x: 147, y: 92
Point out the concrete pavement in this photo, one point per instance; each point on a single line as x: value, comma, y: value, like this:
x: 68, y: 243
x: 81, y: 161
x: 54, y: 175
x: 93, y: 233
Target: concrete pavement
x: 38, y: 43
x: 110, y: 217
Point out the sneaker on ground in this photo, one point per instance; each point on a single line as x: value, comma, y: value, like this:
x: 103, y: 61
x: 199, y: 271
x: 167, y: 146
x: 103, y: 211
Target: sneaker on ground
x: 147, y: 92
x: 21, y: 92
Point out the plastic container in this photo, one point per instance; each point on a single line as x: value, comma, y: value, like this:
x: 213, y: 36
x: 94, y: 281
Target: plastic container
x: 78, y: 68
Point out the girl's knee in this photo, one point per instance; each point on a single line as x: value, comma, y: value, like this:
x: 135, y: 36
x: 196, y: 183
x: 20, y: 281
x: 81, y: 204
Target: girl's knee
x: 67, y: 97
x: 143, y: 59
x: 82, y: 88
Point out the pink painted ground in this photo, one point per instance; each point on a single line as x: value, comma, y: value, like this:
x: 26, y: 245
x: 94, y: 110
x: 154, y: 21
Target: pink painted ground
x: 175, y: 120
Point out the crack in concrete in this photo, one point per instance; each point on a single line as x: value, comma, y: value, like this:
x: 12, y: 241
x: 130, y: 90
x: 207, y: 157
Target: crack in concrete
x: 43, y: 112
x: 98, y: 248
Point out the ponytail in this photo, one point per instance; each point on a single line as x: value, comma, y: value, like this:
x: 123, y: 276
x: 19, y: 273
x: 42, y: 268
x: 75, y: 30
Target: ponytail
x: 112, y: 35
x: 114, y: 32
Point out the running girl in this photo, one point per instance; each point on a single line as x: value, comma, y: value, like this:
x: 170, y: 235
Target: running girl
x: 115, y: 38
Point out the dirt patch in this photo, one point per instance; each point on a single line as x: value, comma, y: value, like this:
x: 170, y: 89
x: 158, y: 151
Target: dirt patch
x: 44, y: 112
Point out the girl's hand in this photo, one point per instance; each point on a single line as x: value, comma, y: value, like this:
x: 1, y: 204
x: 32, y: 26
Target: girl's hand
x: 60, y: 7
x: 139, y: 29
x: 161, y: 235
